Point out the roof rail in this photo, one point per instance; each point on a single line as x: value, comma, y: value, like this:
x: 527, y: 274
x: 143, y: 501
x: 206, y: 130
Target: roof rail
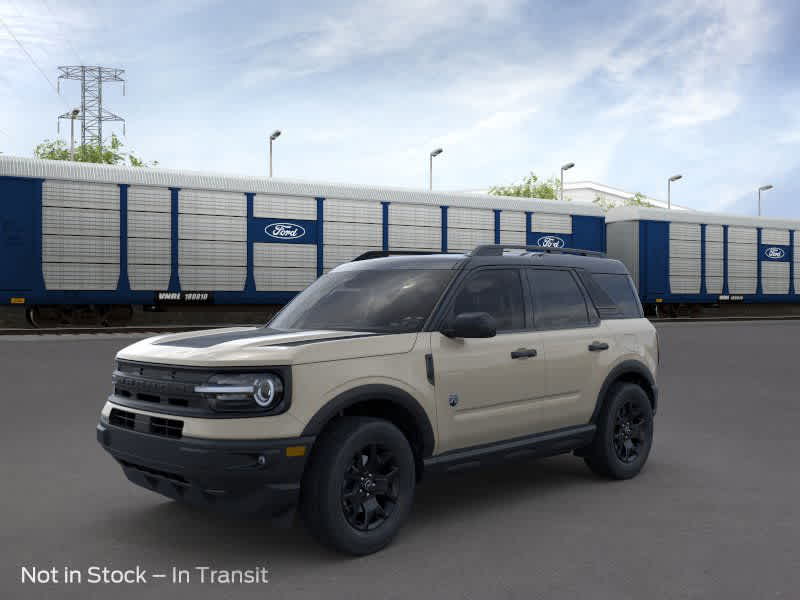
x: 497, y: 250
x: 386, y: 253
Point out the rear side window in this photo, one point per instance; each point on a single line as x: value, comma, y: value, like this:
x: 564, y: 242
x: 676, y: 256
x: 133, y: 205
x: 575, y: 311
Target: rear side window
x: 494, y: 291
x: 558, y: 302
x: 619, y: 288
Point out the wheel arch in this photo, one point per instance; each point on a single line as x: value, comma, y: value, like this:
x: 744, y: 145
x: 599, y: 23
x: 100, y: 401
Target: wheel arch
x: 630, y: 371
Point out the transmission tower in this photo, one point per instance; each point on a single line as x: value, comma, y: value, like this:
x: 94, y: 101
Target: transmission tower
x: 92, y: 113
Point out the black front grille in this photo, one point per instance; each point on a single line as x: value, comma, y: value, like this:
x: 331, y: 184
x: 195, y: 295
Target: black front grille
x: 171, y: 428
x: 168, y: 387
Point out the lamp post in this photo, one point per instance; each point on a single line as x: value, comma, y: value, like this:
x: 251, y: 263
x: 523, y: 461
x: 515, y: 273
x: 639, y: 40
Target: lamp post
x: 275, y: 135
x: 669, y: 183
x: 436, y: 152
x: 763, y: 188
x: 72, y: 116
x: 565, y: 167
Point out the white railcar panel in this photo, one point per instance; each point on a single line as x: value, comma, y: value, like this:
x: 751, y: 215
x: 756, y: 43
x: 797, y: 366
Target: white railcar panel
x: 149, y: 277
x: 149, y: 199
x: 353, y: 234
x: 204, y: 202
x: 715, y: 250
x: 775, y: 277
x: 685, y: 284
x: 352, y: 211
x: 714, y: 233
x: 775, y: 236
x: 551, y: 223
x: 411, y: 237
x: 470, y: 218
x: 684, y: 231
x: 415, y: 214
x: 684, y: 266
x: 80, y: 221
x: 714, y: 285
x: 285, y: 255
x: 80, y: 276
x: 742, y: 235
x: 204, y: 278
x: 284, y: 207
x: 333, y: 256
x: 149, y: 225
x: 214, y: 228
x: 742, y: 268
x: 80, y: 249
x: 743, y: 252
x: 742, y: 285
x: 203, y: 252
x: 512, y: 220
x: 283, y: 280
x: 149, y: 251
x: 517, y: 238
x: 714, y: 268
x: 684, y: 248
x: 80, y: 194
x: 464, y: 240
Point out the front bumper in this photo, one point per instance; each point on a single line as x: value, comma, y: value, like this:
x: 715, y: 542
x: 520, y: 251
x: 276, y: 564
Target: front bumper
x: 240, y: 476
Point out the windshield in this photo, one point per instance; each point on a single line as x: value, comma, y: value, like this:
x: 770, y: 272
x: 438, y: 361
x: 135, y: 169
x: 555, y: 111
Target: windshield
x: 385, y: 301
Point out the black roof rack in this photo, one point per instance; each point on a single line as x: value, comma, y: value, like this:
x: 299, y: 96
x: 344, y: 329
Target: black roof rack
x: 386, y: 253
x: 497, y: 250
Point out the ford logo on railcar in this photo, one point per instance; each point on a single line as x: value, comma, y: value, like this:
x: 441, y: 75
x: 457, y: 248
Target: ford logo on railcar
x: 550, y: 241
x: 285, y: 231
x: 776, y: 253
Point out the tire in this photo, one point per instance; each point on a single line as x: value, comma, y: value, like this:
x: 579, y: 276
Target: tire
x: 624, y: 433
x: 358, y: 488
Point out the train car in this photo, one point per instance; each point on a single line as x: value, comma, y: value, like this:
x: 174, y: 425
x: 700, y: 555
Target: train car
x: 81, y: 238
x: 687, y: 259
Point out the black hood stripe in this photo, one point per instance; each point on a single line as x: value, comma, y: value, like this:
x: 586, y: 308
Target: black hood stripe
x: 207, y: 341
x: 320, y: 340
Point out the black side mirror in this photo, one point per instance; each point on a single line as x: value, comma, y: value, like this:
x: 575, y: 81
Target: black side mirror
x: 471, y: 325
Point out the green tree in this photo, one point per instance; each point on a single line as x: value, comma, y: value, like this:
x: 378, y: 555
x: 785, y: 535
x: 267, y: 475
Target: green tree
x: 111, y: 154
x: 530, y: 187
x: 638, y: 199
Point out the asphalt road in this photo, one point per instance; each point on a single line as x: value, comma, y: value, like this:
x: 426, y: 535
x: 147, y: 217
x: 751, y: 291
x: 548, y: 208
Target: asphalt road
x: 715, y: 514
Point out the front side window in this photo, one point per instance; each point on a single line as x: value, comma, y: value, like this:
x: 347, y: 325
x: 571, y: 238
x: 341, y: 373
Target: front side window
x: 383, y: 301
x: 494, y: 291
x: 558, y: 302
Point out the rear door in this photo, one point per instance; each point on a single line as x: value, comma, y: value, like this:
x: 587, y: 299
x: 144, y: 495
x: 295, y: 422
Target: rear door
x: 487, y: 389
x: 17, y: 213
x: 576, y: 345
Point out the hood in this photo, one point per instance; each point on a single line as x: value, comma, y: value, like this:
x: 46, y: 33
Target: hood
x: 261, y: 346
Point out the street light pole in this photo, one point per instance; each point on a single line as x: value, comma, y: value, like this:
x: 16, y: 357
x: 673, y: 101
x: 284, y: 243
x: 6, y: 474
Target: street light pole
x: 763, y: 188
x: 73, y: 113
x: 565, y: 167
x: 436, y: 152
x: 669, y: 183
x: 275, y: 135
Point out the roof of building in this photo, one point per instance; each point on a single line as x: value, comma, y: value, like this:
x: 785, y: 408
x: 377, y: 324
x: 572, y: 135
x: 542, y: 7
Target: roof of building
x: 636, y: 213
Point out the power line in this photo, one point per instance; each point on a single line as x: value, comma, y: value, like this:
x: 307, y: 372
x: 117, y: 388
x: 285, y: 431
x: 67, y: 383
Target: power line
x: 66, y: 31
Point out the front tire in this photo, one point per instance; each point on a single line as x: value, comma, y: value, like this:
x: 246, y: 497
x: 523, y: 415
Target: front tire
x: 359, y: 486
x: 624, y: 433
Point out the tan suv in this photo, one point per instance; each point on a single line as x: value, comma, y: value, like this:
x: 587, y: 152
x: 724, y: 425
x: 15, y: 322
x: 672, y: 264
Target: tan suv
x: 385, y: 370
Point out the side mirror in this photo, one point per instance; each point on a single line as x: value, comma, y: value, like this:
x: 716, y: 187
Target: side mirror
x: 471, y: 325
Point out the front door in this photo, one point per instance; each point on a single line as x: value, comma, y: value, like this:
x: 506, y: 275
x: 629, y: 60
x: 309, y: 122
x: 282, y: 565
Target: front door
x: 487, y: 389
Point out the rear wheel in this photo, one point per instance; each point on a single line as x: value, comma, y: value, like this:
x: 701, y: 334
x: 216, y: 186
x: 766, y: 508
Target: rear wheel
x: 624, y: 433
x: 359, y: 486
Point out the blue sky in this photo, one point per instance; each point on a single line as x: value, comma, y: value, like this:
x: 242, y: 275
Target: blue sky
x: 632, y: 92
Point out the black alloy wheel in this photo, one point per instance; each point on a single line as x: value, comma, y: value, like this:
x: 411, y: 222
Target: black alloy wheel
x: 371, y: 487
x: 631, y: 431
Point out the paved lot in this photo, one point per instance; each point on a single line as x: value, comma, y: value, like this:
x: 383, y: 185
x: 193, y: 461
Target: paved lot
x: 714, y: 515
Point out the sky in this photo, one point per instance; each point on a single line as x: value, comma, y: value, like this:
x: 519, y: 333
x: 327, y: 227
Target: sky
x: 632, y: 92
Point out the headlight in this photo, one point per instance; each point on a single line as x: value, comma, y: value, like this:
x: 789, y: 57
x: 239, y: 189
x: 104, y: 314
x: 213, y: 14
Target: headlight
x: 242, y: 392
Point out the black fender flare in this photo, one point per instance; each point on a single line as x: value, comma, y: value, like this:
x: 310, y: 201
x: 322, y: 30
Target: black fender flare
x: 380, y: 392
x: 627, y: 367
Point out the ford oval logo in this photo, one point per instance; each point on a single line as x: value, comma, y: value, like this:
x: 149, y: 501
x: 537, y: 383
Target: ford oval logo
x: 550, y: 241
x: 775, y: 253
x: 285, y: 231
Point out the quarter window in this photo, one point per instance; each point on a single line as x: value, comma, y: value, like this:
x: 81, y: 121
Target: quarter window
x: 497, y: 292
x: 558, y: 302
x: 620, y: 288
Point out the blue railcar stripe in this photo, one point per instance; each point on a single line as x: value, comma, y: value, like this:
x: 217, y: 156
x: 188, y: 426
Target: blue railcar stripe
x: 496, y: 225
x: 385, y: 216
x: 174, y: 278
x: 759, y: 287
x: 37, y: 234
x: 250, y: 280
x: 528, y: 237
x: 444, y: 228
x: 725, y: 288
x: 123, y: 285
x: 703, y: 258
x: 791, y: 262
x: 320, y: 235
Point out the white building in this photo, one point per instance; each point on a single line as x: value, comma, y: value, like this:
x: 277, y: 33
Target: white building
x: 588, y: 191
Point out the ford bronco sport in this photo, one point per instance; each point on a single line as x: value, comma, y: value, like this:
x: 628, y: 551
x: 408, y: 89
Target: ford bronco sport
x: 387, y: 370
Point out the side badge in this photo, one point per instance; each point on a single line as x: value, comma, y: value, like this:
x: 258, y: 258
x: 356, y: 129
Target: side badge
x: 452, y: 399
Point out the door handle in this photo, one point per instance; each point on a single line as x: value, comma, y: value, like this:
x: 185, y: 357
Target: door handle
x: 523, y: 353
x: 598, y: 346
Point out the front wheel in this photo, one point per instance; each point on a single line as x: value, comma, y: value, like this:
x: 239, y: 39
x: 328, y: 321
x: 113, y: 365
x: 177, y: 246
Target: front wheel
x: 624, y: 433
x: 359, y: 486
